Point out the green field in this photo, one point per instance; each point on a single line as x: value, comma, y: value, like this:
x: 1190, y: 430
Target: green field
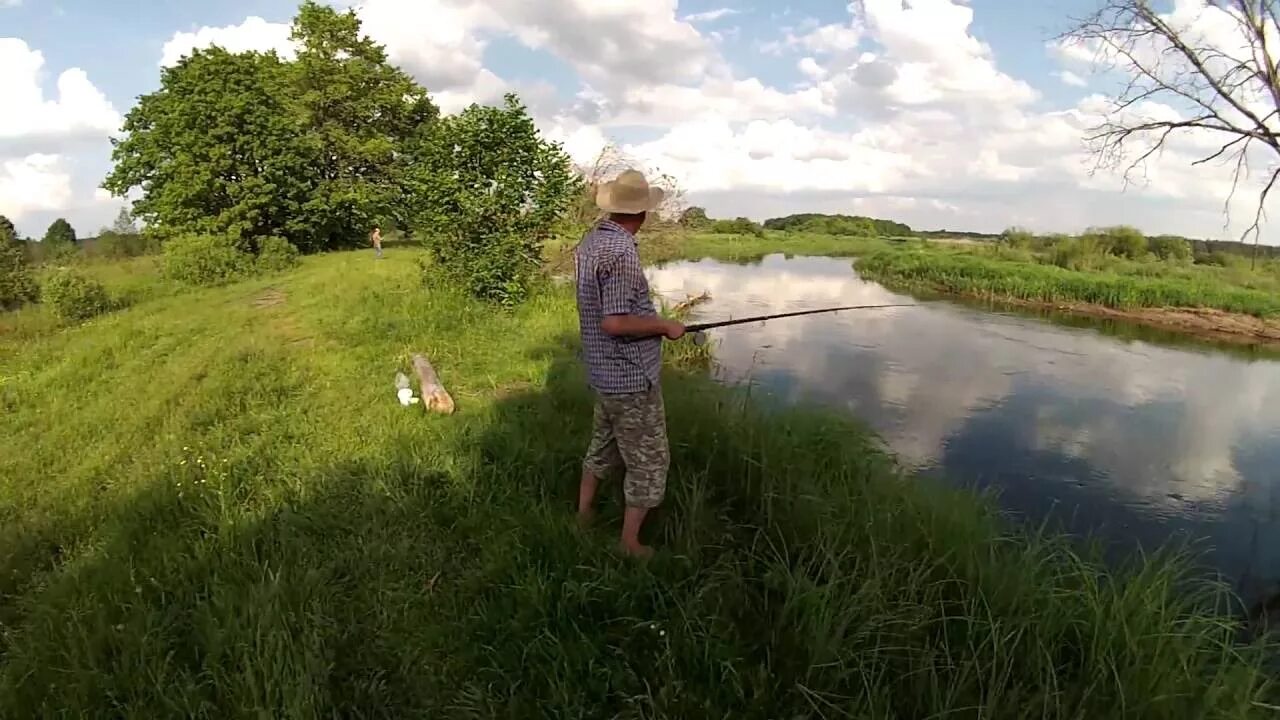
x: 211, y: 505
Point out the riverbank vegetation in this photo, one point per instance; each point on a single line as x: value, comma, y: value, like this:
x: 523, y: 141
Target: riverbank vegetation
x: 1164, y: 281
x: 249, y: 521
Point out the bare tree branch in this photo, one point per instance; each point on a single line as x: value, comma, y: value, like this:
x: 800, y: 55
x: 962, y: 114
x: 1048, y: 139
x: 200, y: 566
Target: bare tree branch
x: 1225, y: 86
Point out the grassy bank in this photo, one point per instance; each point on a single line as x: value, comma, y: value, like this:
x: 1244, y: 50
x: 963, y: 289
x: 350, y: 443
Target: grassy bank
x: 967, y: 273
x: 212, y: 506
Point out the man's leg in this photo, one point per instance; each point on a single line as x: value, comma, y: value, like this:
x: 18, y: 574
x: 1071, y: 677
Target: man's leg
x: 632, y: 521
x: 641, y: 429
x: 587, y: 488
x: 602, y: 457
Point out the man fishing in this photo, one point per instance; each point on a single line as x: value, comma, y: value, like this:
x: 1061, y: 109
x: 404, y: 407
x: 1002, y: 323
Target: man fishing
x: 622, y: 345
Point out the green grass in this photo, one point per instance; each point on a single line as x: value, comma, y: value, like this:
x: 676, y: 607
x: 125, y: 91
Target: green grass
x: 983, y: 275
x: 211, y: 505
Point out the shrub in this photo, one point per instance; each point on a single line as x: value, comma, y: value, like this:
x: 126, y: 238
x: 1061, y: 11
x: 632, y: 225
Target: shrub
x: 737, y: 226
x: 488, y: 191
x: 275, y: 254
x: 1016, y: 237
x: 74, y: 297
x: 1173, y: 249
x: 16, y: 284
x: 1122, y: 241
x: 205, y: 259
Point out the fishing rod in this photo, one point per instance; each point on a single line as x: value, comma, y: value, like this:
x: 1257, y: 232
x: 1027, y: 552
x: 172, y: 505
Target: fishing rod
x: 761, y: 318
x: 698, y: 331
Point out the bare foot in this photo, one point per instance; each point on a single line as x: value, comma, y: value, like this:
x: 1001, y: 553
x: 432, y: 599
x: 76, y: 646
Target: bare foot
x: 636, y: 550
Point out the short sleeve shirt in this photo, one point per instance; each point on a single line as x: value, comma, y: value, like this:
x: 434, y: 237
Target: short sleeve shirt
x: 611, y: 281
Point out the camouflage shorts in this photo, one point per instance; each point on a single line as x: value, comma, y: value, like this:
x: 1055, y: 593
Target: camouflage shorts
x: 630, y: 433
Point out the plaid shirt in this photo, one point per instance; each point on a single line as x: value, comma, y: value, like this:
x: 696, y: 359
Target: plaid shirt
x: 611, y: 282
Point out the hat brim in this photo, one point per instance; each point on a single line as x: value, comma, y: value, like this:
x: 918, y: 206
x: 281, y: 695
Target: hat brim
x: 607, y: 202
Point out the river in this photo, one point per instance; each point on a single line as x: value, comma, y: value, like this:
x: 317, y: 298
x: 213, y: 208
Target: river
x: 1135, y: 442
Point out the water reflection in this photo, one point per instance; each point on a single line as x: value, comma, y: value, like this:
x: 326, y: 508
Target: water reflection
x: 1131, y: 440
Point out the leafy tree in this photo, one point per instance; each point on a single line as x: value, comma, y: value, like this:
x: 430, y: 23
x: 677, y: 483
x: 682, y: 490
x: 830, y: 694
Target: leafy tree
x: 359, y: 112
x: 855, y: 225
x: 487, y: 193
x: 737, y: 226
x: 60, y: 232
x: 59, y: 241
x: 248, y: 145
x: 1124, y: 241
x: 694, y: 218
x: 216, y: 150
x: 1169, y: 247
x: 124, y: 224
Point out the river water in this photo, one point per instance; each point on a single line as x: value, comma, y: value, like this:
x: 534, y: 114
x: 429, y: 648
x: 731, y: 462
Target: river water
x: 1135, y: 442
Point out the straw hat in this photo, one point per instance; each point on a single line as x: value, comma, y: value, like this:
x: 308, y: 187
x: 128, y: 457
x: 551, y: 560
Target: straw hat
x: 629, y: 194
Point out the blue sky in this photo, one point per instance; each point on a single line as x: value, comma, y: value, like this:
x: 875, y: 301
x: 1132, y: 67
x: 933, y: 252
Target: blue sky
x: 941, y: 113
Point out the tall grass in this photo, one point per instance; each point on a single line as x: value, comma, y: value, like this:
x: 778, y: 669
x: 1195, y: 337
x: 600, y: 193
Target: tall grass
x: 211, y: 505
x: 987, y: 276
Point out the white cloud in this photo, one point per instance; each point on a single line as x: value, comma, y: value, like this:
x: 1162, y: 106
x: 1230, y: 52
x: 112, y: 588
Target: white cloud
x: 899, y: 107
x: 1072, y: 79
x: 39, y: 132
x: 10, y: 3
x: 254, y: 34
x: 35, y: 182
x: 710, y: 15
x: 79, y: 109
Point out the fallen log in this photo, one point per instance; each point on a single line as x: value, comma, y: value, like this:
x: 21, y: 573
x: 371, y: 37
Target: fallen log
x: 434, y: 397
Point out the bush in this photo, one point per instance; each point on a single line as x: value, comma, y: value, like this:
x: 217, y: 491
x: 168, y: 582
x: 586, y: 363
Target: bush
x: 488, y: 191
x: 275, y: 254
x: 737, y: 226
x: 1122, y: 241
x: 205, y: 260
x: 74, y: 297
x: 1173, y: 249
x: 1019, y: 238
x: 16, y: 284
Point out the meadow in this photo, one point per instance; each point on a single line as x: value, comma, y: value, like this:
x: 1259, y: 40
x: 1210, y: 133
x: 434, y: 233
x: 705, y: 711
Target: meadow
x: 211, y: 505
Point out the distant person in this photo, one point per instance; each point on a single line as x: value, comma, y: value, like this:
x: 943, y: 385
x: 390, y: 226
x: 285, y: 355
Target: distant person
x: 376, y: 238
x: 622, y: 344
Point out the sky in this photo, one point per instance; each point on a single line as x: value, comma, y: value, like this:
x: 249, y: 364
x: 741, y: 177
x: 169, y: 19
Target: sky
x: 956, y: 114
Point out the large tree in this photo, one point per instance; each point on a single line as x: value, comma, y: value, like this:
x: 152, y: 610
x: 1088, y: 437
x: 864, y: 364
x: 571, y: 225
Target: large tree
x: 60, y: 235
x: 1206, y: 73
x: 251, y: 146
x: 359, y: 112
x: 216, y: 149
x: 124, y: 224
